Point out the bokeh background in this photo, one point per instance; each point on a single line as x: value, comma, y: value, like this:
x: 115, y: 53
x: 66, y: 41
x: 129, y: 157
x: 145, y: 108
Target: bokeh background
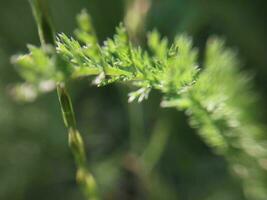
x: 35, y: 161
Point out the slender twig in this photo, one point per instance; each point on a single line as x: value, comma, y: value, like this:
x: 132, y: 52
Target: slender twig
x: 43, y: 21
x: 84, y: 177
x: 157, y: 144
x: 47, y: 36
x: 135, y: 18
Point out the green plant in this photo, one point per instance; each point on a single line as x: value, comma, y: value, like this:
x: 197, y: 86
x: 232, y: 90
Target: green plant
x: 217, y: 97
x: 46, y: 35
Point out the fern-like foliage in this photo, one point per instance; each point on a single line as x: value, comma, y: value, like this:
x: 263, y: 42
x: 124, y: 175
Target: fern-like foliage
x: 217, y: 98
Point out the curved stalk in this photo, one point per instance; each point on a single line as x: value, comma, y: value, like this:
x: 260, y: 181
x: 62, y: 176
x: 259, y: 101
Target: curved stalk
x: 76, y: 144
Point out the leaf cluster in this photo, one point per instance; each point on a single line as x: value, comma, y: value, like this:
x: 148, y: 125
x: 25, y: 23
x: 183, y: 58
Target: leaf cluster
x: 218, y: 98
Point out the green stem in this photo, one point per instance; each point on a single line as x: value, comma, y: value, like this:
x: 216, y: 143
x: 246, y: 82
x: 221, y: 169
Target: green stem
x: 157, y: 144
x: 136, y: 123
x: 135, y: 18
x: 76, y: 144
x: 84, y: 177
x: 43, y: 21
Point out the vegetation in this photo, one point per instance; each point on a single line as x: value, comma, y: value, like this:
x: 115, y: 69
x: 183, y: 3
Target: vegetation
x: 209, y: 88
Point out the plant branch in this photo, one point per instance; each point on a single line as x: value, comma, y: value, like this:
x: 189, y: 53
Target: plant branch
x: 46, y: 35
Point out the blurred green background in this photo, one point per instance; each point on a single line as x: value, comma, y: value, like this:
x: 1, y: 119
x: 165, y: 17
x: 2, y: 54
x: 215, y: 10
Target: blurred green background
x: 35, y: 161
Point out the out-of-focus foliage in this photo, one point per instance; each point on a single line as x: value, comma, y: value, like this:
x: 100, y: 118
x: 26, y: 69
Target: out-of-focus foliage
x: 187, y: 168
x: 223, y: 119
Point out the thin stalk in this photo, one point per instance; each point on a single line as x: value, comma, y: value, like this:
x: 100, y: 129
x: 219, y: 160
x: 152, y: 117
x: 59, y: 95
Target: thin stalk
x: 137, y: 132
x: 43, y: 20
x: 76, y: 144
x: 157, y: 144
x: 84, y: 177
x: 135, y: 18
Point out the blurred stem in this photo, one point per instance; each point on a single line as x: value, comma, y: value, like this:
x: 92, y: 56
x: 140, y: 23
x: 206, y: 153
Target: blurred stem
x: 76, y: 144
x: 135, y: 14
x: 136, y: 120
x: 135, y: 18
x: 157, y: 144
x: 43, y: 21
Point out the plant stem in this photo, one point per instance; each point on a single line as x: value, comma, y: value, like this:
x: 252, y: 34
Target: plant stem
x: 84, y: 177
x: 135, y: 18
x: 76, y: 144
x: 157, y: 144
x: 43, y: 21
